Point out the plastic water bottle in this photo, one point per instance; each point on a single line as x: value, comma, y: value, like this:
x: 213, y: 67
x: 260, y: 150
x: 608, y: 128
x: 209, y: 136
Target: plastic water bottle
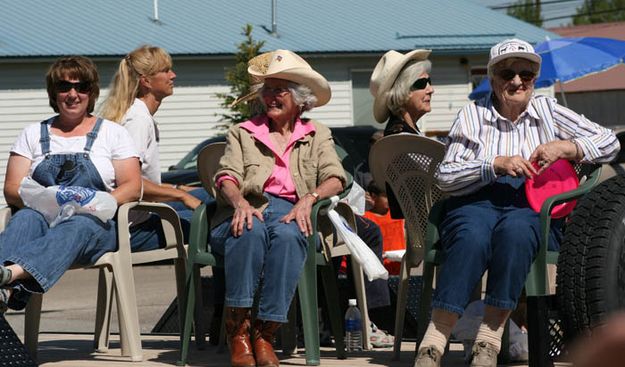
x: 353, y: 328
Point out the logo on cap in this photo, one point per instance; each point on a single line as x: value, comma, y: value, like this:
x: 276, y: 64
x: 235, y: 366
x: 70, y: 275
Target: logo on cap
x: 512, y: 47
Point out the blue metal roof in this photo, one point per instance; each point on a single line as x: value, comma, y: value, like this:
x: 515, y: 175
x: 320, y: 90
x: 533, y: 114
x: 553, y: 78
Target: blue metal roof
x: 35, y: 28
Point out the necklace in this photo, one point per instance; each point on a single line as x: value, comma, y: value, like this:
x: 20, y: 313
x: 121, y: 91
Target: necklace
x: 281, y: 141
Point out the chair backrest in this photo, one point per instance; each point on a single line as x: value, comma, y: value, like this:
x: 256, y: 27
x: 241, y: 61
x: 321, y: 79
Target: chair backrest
x: 408, y: 164
x: 207, y: 164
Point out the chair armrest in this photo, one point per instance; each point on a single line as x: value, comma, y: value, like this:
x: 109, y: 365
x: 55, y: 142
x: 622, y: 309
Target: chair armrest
x: 436, y: 216
x: 582, y: 189
x: 169, y: 220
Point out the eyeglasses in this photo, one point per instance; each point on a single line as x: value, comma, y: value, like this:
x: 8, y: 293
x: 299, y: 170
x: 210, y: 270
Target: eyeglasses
x: 420, y: 84
x: 509, y: 74
x: 64, y: 86
x: 277, y: 91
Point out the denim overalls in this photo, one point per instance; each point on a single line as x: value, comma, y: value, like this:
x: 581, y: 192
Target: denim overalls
x: 46, y: 253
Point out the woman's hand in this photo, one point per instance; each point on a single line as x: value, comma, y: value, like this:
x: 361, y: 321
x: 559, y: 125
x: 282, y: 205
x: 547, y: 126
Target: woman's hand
x: 515, y: 166
x: 243, y: 213
x: 300, y: 213
x: 545, y: 154
x: 191, y: 201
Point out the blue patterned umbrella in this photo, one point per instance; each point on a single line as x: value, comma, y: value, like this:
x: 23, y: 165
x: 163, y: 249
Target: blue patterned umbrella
x: 566, y: 59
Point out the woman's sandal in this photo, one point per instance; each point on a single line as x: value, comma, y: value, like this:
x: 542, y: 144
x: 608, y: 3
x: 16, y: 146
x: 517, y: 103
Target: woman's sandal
x: 5, y: 294
x: 5, y: 275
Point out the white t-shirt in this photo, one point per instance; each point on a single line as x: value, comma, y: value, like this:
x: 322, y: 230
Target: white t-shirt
x: 113, y: 142
x: 144, y: 132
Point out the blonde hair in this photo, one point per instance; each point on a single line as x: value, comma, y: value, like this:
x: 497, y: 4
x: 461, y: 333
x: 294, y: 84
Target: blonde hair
x: 143, y: 61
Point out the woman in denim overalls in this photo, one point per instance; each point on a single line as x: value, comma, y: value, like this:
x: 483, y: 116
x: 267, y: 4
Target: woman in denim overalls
x: 72, y: 148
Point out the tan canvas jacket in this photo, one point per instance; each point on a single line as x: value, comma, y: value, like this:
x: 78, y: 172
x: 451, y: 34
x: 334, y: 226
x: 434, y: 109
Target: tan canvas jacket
x: 312, y: 161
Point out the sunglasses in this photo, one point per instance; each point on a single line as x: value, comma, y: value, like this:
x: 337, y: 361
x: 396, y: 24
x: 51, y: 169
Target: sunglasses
x: 509, y: 74
x: 278, y: 91
x: 420, y: 84
x: 64, y: 86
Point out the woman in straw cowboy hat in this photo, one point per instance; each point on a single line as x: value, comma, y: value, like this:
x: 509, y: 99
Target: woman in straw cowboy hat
x: 275, y: 167
x: 402, y: 92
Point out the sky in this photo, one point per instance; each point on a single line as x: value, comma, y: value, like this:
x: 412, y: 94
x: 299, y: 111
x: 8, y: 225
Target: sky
x: 557, y: 9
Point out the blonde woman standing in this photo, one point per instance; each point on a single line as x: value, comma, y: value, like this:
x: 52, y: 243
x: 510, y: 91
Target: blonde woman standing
x: 143, y: 79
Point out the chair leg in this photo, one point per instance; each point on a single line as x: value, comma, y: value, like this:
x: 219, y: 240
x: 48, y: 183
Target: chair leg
x: 198, y: 314
x: 181, y: 294
x: 400, y: 311
x: 31, y: 324
x: 359, y: 283
x: 328, y: 277
x: 185, y: 336
x: 307, y: 289
x: 129, y: 328
x: 289, y: 331
x: 103, y: 310
x: 425, y: 301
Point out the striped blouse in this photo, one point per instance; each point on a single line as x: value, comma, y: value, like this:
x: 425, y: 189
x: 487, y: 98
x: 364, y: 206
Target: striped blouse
x: 480, y: 133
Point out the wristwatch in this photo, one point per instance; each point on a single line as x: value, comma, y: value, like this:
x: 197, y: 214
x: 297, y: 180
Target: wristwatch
x: 314, y: 195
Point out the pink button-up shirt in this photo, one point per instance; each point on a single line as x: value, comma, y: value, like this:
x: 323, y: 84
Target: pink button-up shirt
x: 280, y: 183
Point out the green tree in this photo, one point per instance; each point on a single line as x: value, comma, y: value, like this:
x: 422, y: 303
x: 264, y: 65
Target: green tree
x: 239, y: 81
x: 600, y: 11
x: 527, y: 10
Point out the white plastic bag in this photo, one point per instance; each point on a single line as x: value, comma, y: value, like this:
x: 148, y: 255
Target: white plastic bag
x: 358, y: 249
x: 57, y: 203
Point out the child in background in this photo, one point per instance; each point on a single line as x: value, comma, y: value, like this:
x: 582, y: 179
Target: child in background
x: 393, y: 232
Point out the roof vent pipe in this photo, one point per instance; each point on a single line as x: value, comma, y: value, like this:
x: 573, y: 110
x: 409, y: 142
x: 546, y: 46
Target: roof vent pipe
x: 274, y: 18
x: 155, y: 11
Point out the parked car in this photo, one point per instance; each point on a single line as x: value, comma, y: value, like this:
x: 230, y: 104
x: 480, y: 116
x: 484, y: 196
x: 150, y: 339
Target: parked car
x: 354, y: 139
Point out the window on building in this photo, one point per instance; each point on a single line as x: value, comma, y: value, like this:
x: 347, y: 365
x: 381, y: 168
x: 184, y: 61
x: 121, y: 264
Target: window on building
x: 362, y: 98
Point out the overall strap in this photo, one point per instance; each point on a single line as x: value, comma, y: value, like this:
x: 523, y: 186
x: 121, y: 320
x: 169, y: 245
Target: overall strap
x: 44, y: 137
x: 93, y: 134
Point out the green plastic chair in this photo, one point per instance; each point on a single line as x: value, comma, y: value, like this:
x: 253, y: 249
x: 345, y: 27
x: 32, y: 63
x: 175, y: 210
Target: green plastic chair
x: 199, y: 255
x: 537, y: 282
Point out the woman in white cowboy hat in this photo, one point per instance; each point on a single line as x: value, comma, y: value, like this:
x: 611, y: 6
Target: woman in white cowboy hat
x: 275, y: 167
x: 402, y: 92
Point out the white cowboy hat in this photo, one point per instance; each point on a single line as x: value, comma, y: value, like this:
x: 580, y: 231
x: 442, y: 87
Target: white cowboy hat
x: 384, y: 76
x: 287, y: 65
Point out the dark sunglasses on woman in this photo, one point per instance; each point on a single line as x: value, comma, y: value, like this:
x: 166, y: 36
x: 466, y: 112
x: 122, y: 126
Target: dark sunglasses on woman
x: 421, y: 84
x: 509, y: 74
x: 64, y: 86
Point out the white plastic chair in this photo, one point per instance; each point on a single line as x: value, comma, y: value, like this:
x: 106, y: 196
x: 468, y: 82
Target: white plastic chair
x: 116, y: 278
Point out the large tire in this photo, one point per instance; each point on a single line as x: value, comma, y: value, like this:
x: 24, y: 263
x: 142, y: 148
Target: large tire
x: 591, y: 265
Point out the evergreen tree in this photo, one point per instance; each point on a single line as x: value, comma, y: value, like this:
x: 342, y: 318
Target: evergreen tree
x: 600, y: 11
x: 239, y: 80
x: 528, y: 11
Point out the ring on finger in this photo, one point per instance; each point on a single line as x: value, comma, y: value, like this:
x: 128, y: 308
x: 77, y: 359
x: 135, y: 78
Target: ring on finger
x: 542, y: 162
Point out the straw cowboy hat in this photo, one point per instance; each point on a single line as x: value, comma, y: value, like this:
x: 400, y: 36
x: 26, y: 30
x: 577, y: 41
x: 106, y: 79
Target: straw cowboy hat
x: 287, y: 65
x: 384, y: 76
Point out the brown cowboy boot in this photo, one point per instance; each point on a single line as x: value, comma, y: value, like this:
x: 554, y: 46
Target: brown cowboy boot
x: 264, y: 332
x: 238, y: 330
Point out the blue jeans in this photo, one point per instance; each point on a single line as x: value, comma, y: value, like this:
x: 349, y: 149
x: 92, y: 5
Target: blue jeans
x: 494, y: 230
x: 148, y: 235
x: 46, y: 253
x: 272, y: 250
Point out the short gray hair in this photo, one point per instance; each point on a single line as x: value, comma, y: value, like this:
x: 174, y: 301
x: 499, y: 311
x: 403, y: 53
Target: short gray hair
x: 398, y: 95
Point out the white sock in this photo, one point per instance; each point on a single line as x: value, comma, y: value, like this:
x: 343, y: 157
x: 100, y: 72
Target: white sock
x: 439, y: 329
x: 490, y: 335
